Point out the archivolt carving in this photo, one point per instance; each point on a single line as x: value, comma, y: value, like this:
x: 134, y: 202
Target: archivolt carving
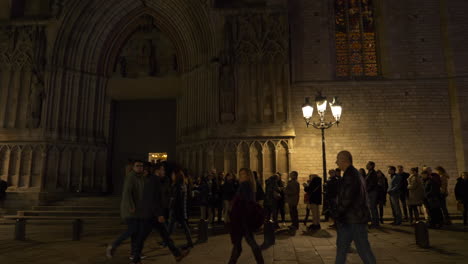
x: 259, y: 37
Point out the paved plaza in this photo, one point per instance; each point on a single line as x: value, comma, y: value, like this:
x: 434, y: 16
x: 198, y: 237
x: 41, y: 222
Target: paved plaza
x: 51, y: 243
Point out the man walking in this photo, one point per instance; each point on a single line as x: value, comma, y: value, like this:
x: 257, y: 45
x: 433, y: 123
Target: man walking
x: 352, y: 212
x: 394, y: 190
x: 372, y: 192
x: 292, y: 197
x: 133, y: 188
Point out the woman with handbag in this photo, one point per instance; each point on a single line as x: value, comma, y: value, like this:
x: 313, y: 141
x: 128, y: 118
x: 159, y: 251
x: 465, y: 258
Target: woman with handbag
x: 246, y: 217
x: 416, y: 194
x: 179, y: 204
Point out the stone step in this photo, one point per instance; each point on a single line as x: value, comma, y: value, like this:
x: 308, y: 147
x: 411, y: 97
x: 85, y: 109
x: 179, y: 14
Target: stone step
x: 70, y: 213
x: 73, y: 208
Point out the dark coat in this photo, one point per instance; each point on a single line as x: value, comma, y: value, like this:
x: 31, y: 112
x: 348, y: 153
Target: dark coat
x: 292, y: 192
x: 180, y: 201
x: 203, y: 193
x: 314, y: 191
x: 243, y: 203
x: 461, y: 190
x: 352, y: 206
x: 260, y: 193
x: 332, y: 188
x: 3, y: 188
x: 229, y: 189
x: 431, y: 193
x: 382, y: 187
x: 151, y: 205
x: 272, y: 192
x: 165, y: 183
x: 371, y: 181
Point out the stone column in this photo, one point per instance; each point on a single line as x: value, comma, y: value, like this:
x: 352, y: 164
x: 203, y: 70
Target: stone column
x: 30, y: 166
x: 18, y: 167
x: 42, y: 172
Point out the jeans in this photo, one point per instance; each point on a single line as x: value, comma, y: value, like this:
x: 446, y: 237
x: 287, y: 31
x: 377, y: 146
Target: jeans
x: 413, y: 211
x: 294, y: 215
x: 381, y: 212
x: 205, y: 212
x: 348, y: 233
x: 443, y: 201
x: 237, y: 248
x: 226, y: 210
x: 281, y: 210
x: 373, y: 207
x: 395, y: 202
x: 272, y: 214
x: 164, y: 233
x: 403, y: 196
x: 142, y: 228
x: 184, y: 225
x: 125, y: 235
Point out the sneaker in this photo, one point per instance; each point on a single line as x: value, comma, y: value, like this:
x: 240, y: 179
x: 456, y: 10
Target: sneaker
x: 110, y: 251
x: 183, y: 254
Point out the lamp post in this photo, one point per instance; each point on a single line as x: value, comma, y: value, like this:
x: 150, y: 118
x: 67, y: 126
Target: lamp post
x: 308, y: 110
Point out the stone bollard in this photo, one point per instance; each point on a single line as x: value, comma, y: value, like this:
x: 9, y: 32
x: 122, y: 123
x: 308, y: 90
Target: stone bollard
x: 20, y: 229
x: 269, y: 234
x: 77, y: 229
x: 422, y: 234
x: 202, y: 231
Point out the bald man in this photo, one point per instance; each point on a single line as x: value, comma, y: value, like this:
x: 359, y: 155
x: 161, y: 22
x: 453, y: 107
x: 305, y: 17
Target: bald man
x: 352, y: 212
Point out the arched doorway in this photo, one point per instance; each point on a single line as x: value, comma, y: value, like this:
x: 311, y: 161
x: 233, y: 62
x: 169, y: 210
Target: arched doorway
x: 115, y: 60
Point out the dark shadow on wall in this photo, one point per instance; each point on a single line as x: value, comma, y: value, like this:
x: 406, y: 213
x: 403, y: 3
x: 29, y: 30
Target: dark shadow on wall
x: 141, y: 127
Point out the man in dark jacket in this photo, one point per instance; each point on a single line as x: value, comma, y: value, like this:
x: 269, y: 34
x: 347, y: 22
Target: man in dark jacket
x: 394, y: 190
x: 372, y: 192
x: 352, y: 212
x: 461, y: 194
x: 404, y: 190
x: 292, y: 197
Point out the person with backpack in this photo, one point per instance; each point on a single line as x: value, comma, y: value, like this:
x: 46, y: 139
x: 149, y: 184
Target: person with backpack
x: 246, y: 217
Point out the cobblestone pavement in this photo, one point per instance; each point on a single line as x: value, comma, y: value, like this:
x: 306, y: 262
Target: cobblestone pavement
x: 50, y: 243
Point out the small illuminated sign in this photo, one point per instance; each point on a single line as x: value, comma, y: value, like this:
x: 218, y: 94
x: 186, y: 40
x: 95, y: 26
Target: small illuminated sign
x: 155, y: 157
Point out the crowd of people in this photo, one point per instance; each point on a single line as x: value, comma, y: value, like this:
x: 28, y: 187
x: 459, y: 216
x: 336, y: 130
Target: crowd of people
x: 160, y: 196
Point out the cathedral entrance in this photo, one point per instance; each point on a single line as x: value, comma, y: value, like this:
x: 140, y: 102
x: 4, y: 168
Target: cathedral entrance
x: 144, y: 87
x: 141, y: 127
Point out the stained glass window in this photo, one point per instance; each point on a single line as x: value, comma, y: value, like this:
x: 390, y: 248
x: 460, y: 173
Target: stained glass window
x: 355, y: 39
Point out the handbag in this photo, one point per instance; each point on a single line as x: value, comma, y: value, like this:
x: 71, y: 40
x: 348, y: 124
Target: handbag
x: 257, y: 215
x: 460, y: 206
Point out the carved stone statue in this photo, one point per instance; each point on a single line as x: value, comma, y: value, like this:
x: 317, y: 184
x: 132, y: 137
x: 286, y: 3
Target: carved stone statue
x: 36, y: 97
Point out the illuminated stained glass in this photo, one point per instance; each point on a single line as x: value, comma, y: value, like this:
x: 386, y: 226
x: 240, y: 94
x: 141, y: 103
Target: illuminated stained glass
x: 355, y: 39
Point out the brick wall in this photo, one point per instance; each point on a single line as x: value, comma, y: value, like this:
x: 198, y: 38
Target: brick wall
x: 405, y: 117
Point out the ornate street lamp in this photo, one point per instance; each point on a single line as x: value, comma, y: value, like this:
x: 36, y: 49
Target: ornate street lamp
x: 308, y: 110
